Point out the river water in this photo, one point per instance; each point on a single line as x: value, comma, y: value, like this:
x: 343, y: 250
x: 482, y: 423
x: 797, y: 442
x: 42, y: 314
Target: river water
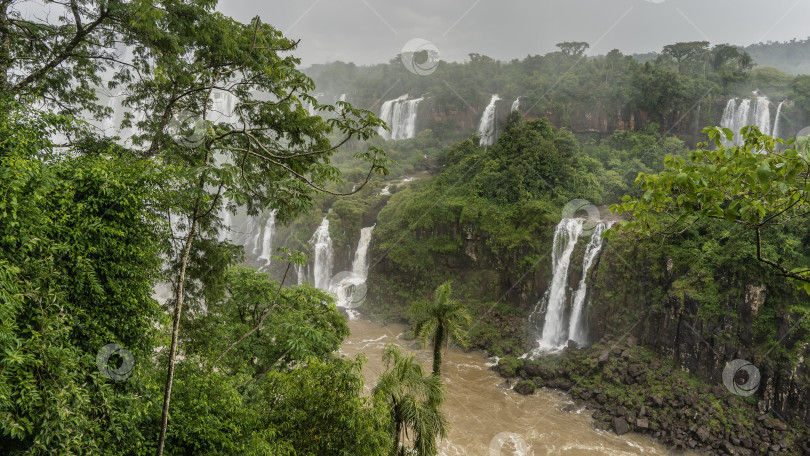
x: 487, y: 420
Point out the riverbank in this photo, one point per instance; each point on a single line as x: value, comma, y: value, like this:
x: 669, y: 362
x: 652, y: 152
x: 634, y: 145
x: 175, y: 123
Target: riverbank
x: 485, y: 417
x: 628, y: 388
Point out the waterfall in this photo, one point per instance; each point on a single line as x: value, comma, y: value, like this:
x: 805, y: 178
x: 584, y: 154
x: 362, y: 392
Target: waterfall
x: 776, y: 131
x: 355, y: 281
x: 342, y: 97
x: 223, y: 107
x: 487, y: 125
x: 762, y: 115
x: 322, y: 264
x: 576, y: 326
x: 108, y: 125
x: 516, y: 104
x: 727, y: 121
x: 565, y: 239
x: 299, y: 271
x: 227, y: 221
x: 267, y: 237
x: 741, y: 119
x: 400, y: 116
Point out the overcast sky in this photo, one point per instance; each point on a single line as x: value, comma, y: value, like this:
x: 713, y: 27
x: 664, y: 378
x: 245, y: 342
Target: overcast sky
x: 373, y: 31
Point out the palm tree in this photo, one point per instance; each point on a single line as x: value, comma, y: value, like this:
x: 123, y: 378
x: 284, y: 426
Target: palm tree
x: 414, y: 399
x: 443, y: 319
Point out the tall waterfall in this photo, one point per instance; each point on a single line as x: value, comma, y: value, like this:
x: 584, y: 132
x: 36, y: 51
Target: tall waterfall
x: 322, y: 263
x: 267, y: 237
x: 737, y: 116
x: 515, y: 104
x: 400, y: 116
x: 487, y: 125
x: 762, y: 115
x: 555, y: 333
x: 565, y: 239
x: 576, y: 324
x: 776, y: 120
x: 350, y: 283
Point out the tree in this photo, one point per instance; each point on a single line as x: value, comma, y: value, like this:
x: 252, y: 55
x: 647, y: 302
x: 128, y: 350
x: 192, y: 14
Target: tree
x: 751, y: 185
x: 79, y: 253
x: 414, y: 401
x: 573, y: 48
x: 443, y: 319
x: 684, y: 52
x: 265, y: 152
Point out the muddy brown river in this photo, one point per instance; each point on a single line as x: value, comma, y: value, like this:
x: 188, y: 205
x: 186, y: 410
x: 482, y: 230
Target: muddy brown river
x: 489, y: 421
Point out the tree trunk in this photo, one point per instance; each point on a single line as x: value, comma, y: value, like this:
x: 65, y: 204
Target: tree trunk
x: 438, y: 339
x: 5, y: 47
x: 178, y: 309
x: 397, y: 424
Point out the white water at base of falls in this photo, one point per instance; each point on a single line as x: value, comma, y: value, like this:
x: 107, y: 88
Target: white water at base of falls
x: 516, y: 104
x: 400, y: 116
x: 267, y: 237
x: 565, y: 239
x: 353, y: 283
x: 576, y: 324
x: 322, y: 261
x: 487, y: 126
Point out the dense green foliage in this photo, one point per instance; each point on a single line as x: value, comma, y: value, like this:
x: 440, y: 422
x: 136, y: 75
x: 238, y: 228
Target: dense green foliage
x: 751, y: 185
x: 79, y: 255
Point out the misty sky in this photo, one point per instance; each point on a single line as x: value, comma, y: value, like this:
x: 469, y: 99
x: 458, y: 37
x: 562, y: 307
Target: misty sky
x: 374, y: 31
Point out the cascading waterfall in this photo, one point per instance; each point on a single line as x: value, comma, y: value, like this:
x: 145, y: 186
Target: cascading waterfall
x: 555, y: 333
x: 776, y: 120
x: 301, y: 273
x: 322, y: 261
x: 727, y: 121
x: 108, y: 125
x: 762, y: 115
x: 487, y: 125
x: 267, y: 237
x: 342, y: 97
x: 516, y: 104
x: 565, y: 239
x: 741, y: 119
x: 400, y: 116
x: 576, y: 324
x: 346, y: 287
x: 735, y: 117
